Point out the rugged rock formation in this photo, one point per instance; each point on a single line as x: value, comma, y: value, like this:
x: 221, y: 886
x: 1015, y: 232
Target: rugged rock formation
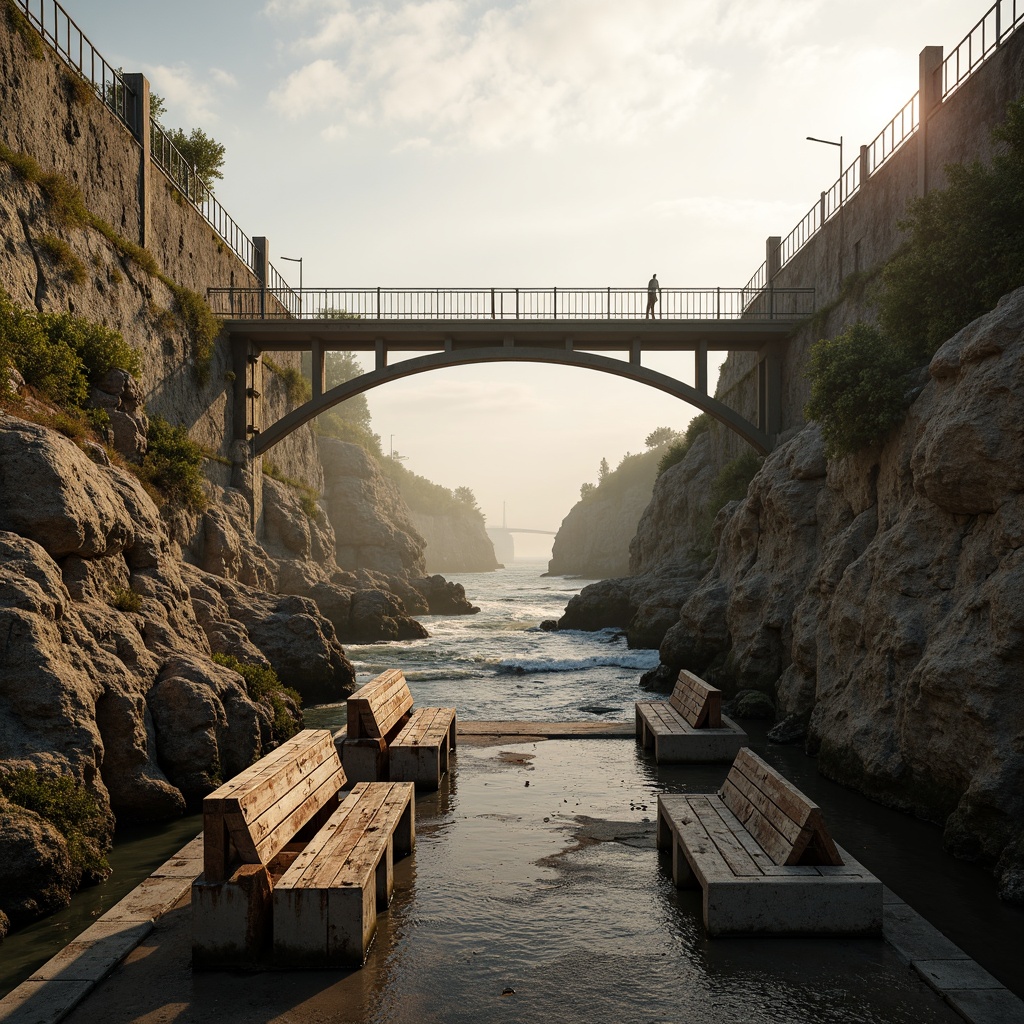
x: 594, y: 538
x: 371, y: 522
x: 455, y: 543
x: 644, y: 606
x: 876, y: 600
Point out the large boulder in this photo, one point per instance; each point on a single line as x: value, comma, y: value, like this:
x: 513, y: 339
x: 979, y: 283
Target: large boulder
x: 38, y: 877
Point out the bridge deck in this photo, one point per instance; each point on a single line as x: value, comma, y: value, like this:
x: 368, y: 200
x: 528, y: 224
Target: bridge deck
x: 413, y: 335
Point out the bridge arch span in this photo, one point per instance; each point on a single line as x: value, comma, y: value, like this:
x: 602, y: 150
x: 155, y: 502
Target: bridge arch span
x: 754, y: 436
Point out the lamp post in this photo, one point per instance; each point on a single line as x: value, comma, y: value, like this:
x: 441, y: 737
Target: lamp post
x: 829, y: 142
x: 297, y: 259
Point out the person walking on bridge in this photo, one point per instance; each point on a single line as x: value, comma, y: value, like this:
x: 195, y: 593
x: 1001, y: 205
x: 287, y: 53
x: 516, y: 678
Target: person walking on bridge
x: 653, y: 294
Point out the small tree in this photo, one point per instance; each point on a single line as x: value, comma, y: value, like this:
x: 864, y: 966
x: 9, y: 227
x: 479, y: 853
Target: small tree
x: 602, y: 470
x: 465, y: 496
x: 659, y: 436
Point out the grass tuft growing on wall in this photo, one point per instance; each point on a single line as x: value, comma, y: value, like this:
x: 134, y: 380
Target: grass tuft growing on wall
x: 63, y: 257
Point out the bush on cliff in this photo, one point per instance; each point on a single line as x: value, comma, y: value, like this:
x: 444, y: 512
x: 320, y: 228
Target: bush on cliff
x: 264, y: 687
x: 173, y: 464
x: 676, y: 451
x: 71, y: 809
x: 858, y: 388
x: 964, y: 251
x: 60, y: 355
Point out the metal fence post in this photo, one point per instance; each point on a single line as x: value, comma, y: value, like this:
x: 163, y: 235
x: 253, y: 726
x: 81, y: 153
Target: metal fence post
x: 517, y: 303
x: 378, y: 302
x: 554, y: 310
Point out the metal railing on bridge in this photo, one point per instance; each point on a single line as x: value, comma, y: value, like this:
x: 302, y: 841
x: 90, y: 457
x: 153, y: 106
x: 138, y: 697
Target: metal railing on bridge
x: 509, y: 303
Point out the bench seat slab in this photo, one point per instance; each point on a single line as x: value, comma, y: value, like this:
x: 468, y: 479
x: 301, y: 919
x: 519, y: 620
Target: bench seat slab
x: 659, y: 727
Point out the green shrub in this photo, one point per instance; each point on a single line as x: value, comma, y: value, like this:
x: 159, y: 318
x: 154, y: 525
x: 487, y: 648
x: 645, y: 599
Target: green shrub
x: 66, y: 205
x: 124, y: 599
x: 101, y: 349
x: 63, y: 257
x: 733, y: 480
x: 69, y: 807
x: 676, y: 451
x: 264, y: 687
x: 296, y: 386
x: 858, y: 388
x: 965, y: 248
x: 173, y: 464
x: 49, y: 366
x: 200, y: 323
x: 80, y: 92
x: 23, y: 27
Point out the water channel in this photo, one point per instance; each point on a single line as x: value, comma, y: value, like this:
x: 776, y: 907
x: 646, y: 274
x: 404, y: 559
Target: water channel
x: 498, y: 665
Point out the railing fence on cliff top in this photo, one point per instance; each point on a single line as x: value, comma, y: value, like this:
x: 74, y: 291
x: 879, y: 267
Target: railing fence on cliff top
x: 977, y: 46
x: 58, y: 28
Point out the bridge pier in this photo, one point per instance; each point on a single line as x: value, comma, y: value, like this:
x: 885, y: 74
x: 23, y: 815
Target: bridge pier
x: 247, y: 468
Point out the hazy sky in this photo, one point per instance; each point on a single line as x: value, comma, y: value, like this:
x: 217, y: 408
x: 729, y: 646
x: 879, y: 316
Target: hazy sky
x: 525, y: 143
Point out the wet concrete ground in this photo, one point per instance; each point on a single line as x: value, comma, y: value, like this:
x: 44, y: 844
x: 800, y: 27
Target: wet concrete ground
x: 535, y: 894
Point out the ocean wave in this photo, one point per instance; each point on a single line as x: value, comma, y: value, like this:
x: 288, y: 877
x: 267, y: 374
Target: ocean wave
x: 639, y: 660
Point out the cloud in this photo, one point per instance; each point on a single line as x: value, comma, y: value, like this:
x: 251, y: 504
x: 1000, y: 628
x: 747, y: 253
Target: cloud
x: 534, y: 72
x: 192, y: 97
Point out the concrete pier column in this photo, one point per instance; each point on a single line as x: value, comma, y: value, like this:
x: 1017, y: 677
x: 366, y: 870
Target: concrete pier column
x: 929, y: 98
x: 261, y: 267
x: 769, y: 395
x: 865, y: 169
x: 700, y: 359
x: 317, y: 368
x: 140, y: 126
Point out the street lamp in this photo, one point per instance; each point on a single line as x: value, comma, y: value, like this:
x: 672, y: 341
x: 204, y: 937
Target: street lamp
x: 297, y: 259
x: 829, y: 142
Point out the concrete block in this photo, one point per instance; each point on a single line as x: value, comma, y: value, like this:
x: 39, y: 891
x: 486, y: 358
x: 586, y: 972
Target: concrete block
x: 231, y: 920
x: 987, y: 1006
x: 774, y: 905
x: 153, y: 897
x: 946, y: 975
x: 421, y: 764
x: 914, y: 938
x: 95, y: 953
x: 364, y: 761
x: 42, y: 1002
x: 326, y: 927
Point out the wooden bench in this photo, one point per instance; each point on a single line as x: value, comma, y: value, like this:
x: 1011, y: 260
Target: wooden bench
x: 281, y: 812
x: 689, y: 727
x: 386, y: 739
x: 761, y: 853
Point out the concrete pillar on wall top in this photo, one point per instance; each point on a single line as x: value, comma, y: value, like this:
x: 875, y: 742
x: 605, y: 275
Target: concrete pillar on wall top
x: 773, y: 255
x: 140, y: 126
x: 929, y: 99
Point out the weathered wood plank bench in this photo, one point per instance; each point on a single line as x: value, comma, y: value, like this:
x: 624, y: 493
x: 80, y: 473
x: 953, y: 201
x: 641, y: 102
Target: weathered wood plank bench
x: 761, y: 853
x: 689, y: 727
x: 386, y: 738
x: 284, y: 811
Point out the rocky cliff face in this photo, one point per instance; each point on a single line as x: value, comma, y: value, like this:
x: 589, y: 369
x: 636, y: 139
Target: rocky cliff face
x: 876, y: 599
x: 594, y: 538
x: 455, y: 543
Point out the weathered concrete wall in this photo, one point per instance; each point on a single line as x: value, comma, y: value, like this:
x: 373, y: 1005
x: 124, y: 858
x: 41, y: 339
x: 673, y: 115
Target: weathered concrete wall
x: 90, y: 148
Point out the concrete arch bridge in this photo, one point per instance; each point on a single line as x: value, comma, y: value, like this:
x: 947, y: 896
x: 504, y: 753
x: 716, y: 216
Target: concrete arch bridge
x: 434, y: 328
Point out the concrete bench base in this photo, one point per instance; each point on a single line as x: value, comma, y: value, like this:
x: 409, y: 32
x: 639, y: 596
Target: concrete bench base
x: 660, y: 728
x: 419, y: 753
x: 325, y: 905
x: 745, y: 893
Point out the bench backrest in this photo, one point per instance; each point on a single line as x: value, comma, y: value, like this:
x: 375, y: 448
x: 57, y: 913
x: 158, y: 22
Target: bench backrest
x: 698, y: 702
x: 376, y: 708
x: 255, y: 815
x: 785, y: 823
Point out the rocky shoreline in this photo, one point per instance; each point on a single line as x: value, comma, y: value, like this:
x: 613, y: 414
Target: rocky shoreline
x: 112, y: 616
x: 873, y: 600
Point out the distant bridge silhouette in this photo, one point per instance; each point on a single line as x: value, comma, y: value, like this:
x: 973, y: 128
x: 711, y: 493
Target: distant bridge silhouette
x: 456, y: 327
